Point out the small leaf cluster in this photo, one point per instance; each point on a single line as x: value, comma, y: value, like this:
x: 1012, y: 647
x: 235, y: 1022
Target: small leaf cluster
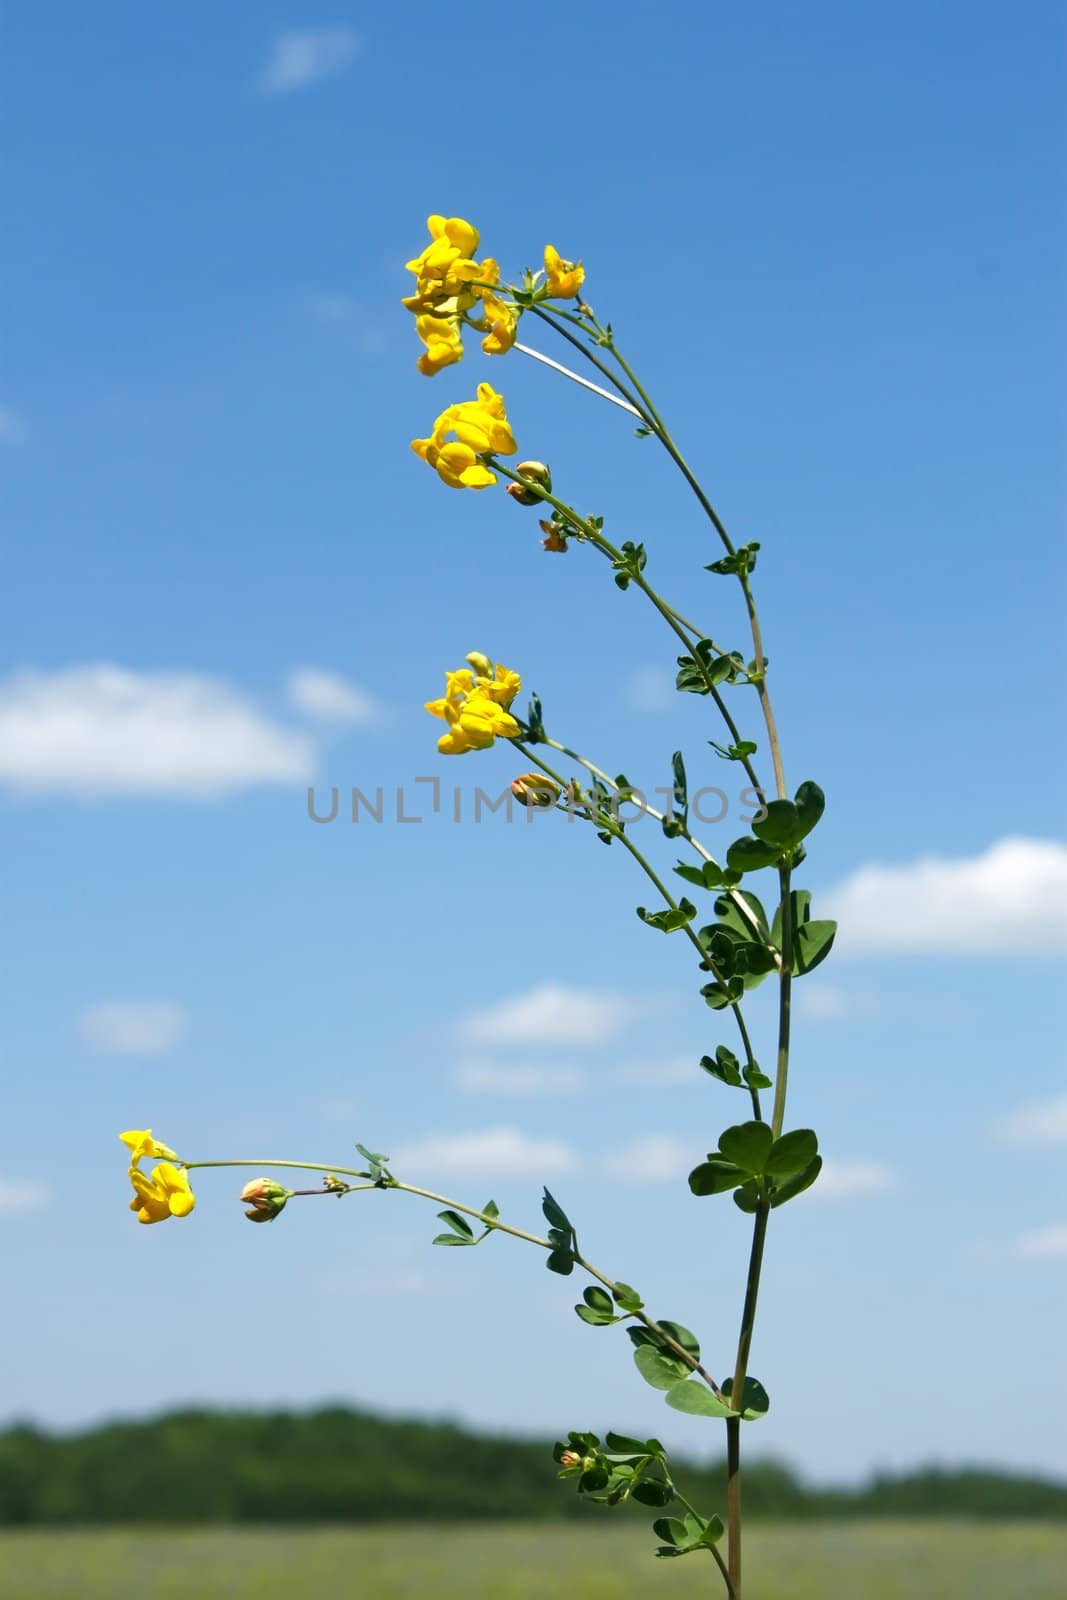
x: 561, y: 1236
x: 460, y: 1231
x: 760, y: 1169
x: 624, y: 1469
x: 776, y: 835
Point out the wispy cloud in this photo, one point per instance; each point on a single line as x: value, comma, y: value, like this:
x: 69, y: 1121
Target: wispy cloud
x: 654, y: 1158
x: 99, y: 730
x: 17, y: 1195
x: 1043, y: 1242
x: 504, y: 1152
x: 516, y: 1080
x: 658, y: 1074
x: 1012, y: 899
x: 1041, y: 1122
x: 551, y: 1014
x: 13, y: 429
x: 649, y: 688
x: 844, y: 1180
x: 327, y: 697
x: 133, y: 1027
x: 299, y: 59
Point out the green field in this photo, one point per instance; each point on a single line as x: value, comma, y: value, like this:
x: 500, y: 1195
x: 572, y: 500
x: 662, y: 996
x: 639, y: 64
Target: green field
x: 885, y: 1560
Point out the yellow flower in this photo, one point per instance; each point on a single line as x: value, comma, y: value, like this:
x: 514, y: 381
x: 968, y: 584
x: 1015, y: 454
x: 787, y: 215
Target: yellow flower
x: 476, y: 709
x: 141, y: 1143
x: 563, y: 278
x: 442, y: 339
x: 501, y: 323
x: 480, y: 428
x: 161, y: 1194
x: 448, y: 282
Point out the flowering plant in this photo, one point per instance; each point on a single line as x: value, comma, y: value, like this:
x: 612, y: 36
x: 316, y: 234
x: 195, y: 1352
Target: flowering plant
x: 733, y: 945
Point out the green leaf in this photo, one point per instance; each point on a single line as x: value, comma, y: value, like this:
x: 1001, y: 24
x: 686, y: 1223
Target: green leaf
x: 670, y: 1530
x: 696, y: 1398
x: 621, y: 1444
x: 810, y: 804
x: 812, y: 943
x: 650, y: 1492
x: 755, y: 1402
x: 659, y: 1369
x: 747, y: 1146
x: 715, y: 1176
x: 681, y: 1335
x: 719, y: 996
x: 749, y: 855
x: 740, y: 562
x: 595, y: 1319
x: 490, y: 1209
x: 800, y: 911
x: 781, y: 826
x: 728, y: 911
x: 681, y: 788
x: 560, y: 1261
x: 627, y: 1297
x: 555, y: 1214
x: 599, y: 1308
x: 796, y: 1185
x: 691, y: 874
x: 452, y: 1238
x: 754, y: 1078
x: 713, y: 1531
x: 671, y: 919
x: 734, y: 752
x: 791, y: 1153
x: 747, y: 1198
x: 457, y: 1223
x: 724, y: 1066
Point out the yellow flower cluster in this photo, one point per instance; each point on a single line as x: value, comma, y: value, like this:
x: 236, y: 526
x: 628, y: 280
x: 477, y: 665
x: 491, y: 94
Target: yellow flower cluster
x: 448, y: 284
x: 165, y: 1191
x: 475, y: 706
x: 480, y: 428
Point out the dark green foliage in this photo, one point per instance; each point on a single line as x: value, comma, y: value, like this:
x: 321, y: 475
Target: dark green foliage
x: 337, y: 1465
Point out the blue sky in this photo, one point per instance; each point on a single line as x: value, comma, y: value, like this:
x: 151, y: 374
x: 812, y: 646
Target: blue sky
x: 832, y: 240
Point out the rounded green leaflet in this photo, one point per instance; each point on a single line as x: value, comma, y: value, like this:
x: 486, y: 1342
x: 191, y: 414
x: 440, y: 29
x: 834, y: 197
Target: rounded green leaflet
x: 747, y: 1145
x: 715, y: 1176
x: 659, y: 1369
x: 696, y: 1399
x: 791, y: 1153
x: 755, y: 1401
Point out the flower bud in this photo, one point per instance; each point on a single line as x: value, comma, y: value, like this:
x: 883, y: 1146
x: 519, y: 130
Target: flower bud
x: 534, y: 789
x: 554, y: 539
x: 265, y: 1198
x: 481, y: 664
x: 538, y: 473
x: 570, y: 1458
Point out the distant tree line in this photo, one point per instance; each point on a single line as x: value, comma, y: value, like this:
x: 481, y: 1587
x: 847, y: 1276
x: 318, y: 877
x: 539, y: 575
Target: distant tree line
x: 338, y: 1465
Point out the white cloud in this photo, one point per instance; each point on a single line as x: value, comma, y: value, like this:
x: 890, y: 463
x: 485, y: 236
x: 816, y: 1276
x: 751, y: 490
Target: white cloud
x: 22, y: 1195
x: 330, y: 698
x: 300, y: 59
x: 659, y: 1074
x: 132, y: 1027
x: 1044, y: 1242
x: 823, y: 1002
x: 13, y: 429
x: 655, y: 1158
x: 333, y: 307
x: 493, y: 1152
x: 1011, y: 899
x: 842, y: 1180
x: 102, y: 729
x: 519, y: 1081
x: 649, y: 689
x: 1035, y: 1124
x: 551, y: 1014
